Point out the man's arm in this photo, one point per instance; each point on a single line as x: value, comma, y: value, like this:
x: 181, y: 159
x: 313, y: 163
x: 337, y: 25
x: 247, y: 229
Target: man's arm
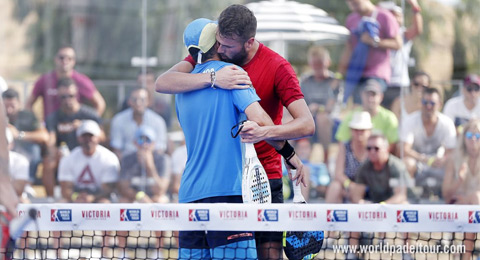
x: 98, y: 102
x: 357, y: 192
x: 399, y: 196
x: 8, y: 197
x: 178, y: 79
x: 39, y: 136
x: 302, y: 125
x: 345, y: 58
x: 386, y: 43
x: 67, y: 190
x: 258, y: 118
x: 416, y: 28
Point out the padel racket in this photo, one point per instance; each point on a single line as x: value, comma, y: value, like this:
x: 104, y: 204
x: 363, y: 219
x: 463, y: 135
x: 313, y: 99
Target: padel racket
x: 299, y: 245
x: 255, y: 185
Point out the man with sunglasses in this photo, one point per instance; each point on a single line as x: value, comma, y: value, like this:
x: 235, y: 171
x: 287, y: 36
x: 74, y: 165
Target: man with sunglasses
x: 46, y: 85
x: 428, y: 138
x: 62, y: 126
x: 467, y: 106
x: 383, y: 177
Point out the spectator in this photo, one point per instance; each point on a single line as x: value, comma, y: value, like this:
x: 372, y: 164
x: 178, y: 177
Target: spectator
x: 62, y: 125
x: 350, y: 156
x: 125, y: 123
x: 30, y: 136
x: 374, y: 32
x: 428, y: 138
x: 18, y: 167
x: 89, y: 173
x: 413, y: 100
x: 467, y: 106
x: 318, y: 89
x: 400, y: 58
x: 45, y: 86
x: 461, y: 184
x: 383, y: 177
x: 383, y: 120
x: 144, y: 174
x: 158, y: 102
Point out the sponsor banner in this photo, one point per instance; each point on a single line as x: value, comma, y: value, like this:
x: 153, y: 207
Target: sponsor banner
x: 337, y: 215
x: 267, y: 215
x: 195, y: 215
x: 374, y: 215
x: 61, y: 215
x: 130, y: 215
x: 474, y: 217
x: 256, y: 217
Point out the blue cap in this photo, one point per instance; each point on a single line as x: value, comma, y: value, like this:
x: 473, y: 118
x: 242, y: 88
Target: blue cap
x: 200, y: 34
x: 145, y: 131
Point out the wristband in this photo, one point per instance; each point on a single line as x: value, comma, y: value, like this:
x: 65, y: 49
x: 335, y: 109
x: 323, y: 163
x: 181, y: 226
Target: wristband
x: 140, y: 195
x: 287, y: 151
x: 382, y: 202
x: 430, y: 161
x: 21, y: 135
x: 213, y: 79
x: 346, y: 183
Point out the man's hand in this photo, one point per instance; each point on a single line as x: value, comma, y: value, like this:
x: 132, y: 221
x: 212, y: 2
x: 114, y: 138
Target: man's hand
x: 252, y: 132
x: 365, y: 38
x: 232, y: 77
x: 300, y: 176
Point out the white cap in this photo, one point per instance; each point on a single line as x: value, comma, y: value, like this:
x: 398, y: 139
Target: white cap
x: 89, y: 127
x: 361, y: 120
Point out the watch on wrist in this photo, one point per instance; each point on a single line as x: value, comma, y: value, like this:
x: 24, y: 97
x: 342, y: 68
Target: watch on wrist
x: 21, y: 135
x: 376, y: 42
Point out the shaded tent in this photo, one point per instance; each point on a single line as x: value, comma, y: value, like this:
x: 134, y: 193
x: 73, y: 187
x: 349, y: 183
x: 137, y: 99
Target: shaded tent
x: 280, y: 22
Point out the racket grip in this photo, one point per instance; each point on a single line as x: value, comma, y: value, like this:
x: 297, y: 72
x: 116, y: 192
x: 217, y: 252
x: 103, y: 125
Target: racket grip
x: 297, y: 190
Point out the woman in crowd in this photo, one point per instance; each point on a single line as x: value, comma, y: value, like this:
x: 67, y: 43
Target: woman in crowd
x: 350, y: 155
x: 461, y: 184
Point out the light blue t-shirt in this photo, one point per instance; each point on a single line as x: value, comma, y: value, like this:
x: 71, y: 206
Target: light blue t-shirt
x: 214, y: 165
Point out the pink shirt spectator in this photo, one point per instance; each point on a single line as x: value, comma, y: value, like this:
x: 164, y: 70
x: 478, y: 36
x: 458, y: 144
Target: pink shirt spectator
x: 46, y: 87
x: 378, y: 61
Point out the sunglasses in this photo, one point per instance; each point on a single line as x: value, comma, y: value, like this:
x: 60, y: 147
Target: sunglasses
x: 470, y: 135
x: 375, y: 148
x: 417, y: 84
x: 475, y: 88
x: 427, y: 102
x: 141, y: 140
x: 66, y: 96
x: 65, y: 57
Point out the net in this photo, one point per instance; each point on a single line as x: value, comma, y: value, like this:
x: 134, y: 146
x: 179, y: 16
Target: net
x: 149, y: 231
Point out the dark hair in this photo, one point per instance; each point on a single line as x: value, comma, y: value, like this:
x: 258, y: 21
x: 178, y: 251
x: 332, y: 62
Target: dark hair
x: 422, y: 73
x: 10, y: 93
x: 65, y: 82
x: 431, y: 90
x: 205, y: 56
x: 237, y: 20
x: 135, y: 89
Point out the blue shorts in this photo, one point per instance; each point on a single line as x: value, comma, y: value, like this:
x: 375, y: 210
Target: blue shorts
x: 217, y: 244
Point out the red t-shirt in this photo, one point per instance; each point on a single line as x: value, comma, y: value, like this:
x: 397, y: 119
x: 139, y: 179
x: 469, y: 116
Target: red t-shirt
x: 277, y: 86
x: 46, y: 87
